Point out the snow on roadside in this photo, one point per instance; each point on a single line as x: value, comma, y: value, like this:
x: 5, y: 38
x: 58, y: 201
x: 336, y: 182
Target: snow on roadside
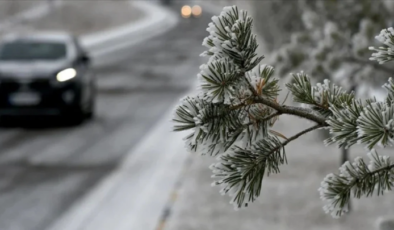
x: 83, y: 17
x: 14, y: 7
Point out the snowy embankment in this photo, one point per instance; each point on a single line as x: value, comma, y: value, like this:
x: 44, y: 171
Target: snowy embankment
x: 128, y: 23
x: 156, y: 21
x: 115, y: 204
x: 129, y: 198
x: 22, y: 15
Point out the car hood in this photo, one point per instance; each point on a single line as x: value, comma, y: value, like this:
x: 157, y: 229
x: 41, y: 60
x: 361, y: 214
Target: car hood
x: 31, y: 69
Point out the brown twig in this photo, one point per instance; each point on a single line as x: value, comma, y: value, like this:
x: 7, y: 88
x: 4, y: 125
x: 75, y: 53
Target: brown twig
x: 301, y: 133
x: 292, y: 138
x: 283, y: 109
x: 264, y: 119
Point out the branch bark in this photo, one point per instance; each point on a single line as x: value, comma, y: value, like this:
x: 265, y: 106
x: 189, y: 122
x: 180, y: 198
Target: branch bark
x: 292, y: 138
x: 283, y: 109
x: 301, y: 133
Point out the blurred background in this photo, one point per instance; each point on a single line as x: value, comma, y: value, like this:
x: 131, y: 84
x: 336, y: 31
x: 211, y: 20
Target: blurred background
x: 87, y: 90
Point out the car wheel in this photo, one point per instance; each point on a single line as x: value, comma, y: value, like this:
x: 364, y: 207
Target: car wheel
x: 76, y: 116
x: 90, y: 113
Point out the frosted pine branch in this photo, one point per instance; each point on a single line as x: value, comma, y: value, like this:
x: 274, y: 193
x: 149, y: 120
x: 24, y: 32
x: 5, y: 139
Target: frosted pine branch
x: 357, y: 178
x: 384, y: 53
x: 343, y: 124
x: 376, y: 125
x: 389, y: 87
x: 319, y: 97
x: 240, y: 172
x: 237, y: 106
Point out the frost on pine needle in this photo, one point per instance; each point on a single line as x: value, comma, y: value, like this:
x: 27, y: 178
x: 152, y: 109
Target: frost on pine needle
x: 384, y: 53
x: 375, y: 125
x: 240, y: 172
x: 263, y: 81
x: 318, y: 97
x: 356, y: 178
x: 185, y: 113
x: 355, y: 122
x: 389, y: 87
x: 343, y: 124
x: 230, y: 37
x: 236, y: 106
x: 218, y: 80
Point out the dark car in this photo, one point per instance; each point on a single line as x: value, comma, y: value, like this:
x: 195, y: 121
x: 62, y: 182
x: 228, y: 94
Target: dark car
x: 45, y: 74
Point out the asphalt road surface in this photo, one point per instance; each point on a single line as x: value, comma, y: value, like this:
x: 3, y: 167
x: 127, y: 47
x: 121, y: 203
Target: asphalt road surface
x: 46, y: 167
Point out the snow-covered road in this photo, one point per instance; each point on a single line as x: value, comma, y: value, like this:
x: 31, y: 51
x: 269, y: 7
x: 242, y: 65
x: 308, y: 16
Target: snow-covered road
x: 45, y: 170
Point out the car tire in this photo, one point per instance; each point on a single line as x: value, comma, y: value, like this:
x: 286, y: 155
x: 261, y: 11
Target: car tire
x: 90, y: 113
x: 76, y: 116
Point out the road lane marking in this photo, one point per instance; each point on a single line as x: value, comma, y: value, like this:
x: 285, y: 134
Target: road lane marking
x: 166, y: 215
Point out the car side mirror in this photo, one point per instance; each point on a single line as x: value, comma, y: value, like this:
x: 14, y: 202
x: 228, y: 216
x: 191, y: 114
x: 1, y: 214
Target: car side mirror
x: 85, y: 59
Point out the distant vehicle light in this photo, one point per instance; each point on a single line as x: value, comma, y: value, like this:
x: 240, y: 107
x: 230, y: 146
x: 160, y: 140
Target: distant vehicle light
x: 186, y: 11
x: 66, y: 75
x: 196, y: 10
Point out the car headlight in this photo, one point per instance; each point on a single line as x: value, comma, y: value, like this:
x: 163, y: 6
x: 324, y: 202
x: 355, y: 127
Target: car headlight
x: 186, y: 11
x: 196, y: 11
x: 66, y: 74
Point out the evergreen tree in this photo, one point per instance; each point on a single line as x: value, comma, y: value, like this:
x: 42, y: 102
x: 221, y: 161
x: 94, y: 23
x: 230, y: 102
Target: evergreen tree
x: 334, y: 41
x: 233, y: 115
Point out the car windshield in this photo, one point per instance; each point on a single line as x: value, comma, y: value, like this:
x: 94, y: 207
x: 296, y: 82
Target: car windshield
x: 32, y: 50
